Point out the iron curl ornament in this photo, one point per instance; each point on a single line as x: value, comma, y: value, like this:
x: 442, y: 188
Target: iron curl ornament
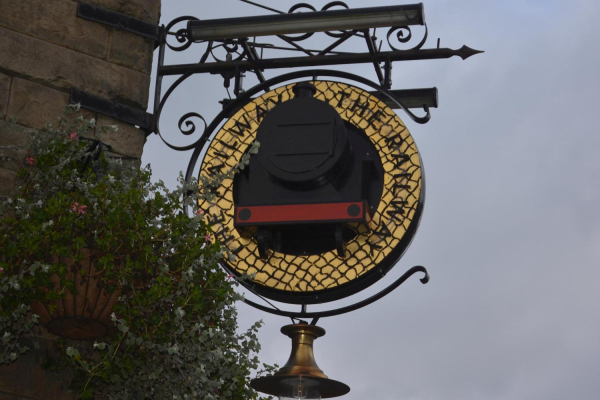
x: 231, y: 47
x: 190, y: 124
x: 293, y: 9
x: 329, y: 6
x: 402, y: 37
x: 159, y: 102
x: 306, y: 6
x: 180, y: 35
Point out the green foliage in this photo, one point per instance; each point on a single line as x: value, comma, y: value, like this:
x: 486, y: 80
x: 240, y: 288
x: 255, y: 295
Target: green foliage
x: 175, y: 324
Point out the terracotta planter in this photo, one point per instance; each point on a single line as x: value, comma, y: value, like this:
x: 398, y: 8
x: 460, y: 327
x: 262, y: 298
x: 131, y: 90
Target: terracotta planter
x: 84, y: 315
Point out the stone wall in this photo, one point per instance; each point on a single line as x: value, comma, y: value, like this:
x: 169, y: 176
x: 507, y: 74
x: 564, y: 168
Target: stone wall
x: 45, y: 50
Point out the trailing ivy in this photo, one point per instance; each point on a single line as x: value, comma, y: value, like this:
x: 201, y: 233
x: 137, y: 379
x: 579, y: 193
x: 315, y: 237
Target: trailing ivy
x: 175, y: 331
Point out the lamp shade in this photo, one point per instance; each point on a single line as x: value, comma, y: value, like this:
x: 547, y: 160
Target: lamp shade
x: 301, y: 377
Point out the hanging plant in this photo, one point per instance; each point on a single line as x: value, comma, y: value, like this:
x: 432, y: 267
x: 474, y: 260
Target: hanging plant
x: 93, y: 249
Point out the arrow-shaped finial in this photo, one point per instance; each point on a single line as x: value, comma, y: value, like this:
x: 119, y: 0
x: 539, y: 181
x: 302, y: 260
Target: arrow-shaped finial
x: 466, y: 52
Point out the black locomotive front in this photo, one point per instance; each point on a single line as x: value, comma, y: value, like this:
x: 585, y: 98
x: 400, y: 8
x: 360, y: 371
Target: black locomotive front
x: 313, y: 180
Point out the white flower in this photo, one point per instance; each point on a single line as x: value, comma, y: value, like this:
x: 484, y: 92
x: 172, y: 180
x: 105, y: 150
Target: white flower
x: 100, y: 346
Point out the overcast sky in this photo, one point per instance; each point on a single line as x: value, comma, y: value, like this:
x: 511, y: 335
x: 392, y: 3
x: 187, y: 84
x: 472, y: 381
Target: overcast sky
x: 511, y: 228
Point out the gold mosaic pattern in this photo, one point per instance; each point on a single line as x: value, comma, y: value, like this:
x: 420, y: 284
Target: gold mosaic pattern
x: 314, y: 273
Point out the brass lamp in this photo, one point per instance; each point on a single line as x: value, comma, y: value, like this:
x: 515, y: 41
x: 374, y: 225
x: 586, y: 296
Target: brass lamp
x: 300, y: 377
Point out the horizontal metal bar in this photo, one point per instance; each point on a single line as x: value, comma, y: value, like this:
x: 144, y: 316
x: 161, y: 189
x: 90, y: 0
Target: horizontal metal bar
x: 411, y: 98
x: 315, y: 61
x: 308, y: 22
x: 117, y: 20
x: 130, y: 115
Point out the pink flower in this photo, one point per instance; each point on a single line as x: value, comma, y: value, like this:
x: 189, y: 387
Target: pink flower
x: 79, y: 208
x: 73, y: 135
x: 1, y: 269
x: 230, y: 277
x: 30, y: 161
x: 207, y: 238
x: 200, y: 211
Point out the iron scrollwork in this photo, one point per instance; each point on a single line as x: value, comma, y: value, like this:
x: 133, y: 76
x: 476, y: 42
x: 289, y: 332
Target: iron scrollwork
x: 303, y: 36
x: 190, y: 124
x: 404, y: 38
x: 326, y: 7
x: 231, y: 47
x: 329, y: 6
x: 180, y: 35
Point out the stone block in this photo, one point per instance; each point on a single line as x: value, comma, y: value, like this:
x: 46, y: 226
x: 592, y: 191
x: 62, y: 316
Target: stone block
x: 146, y: 10
x: 7, y: 183
x: 131, y: 50
x: 8, y: 396
x: 128, y: 140
x: 14, y: 145
x: 13, y: 134
x: 63, y: 68
x: 34, y: 105
x: 55, y: 21
x: 4, y: 93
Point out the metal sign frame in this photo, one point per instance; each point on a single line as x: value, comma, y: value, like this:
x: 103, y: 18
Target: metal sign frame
x: 345, y: 290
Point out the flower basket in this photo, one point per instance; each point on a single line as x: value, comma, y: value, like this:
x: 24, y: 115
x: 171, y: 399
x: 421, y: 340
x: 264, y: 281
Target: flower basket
x: 84, y: 314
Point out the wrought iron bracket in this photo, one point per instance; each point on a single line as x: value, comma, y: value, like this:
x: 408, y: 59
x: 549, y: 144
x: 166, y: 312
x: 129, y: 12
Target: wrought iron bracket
x: 118, y: 20
x: 244, y: 55
x: 122, y: 112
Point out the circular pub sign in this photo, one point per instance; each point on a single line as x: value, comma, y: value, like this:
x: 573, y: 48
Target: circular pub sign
x: 329, y: 203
